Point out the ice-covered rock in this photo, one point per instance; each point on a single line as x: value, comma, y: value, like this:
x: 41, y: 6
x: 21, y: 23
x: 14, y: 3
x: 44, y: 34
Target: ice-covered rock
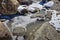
x: 55, y: 20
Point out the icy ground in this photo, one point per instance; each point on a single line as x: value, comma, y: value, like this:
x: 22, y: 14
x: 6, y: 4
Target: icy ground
x: 55, y: 20
x: 20, y: 21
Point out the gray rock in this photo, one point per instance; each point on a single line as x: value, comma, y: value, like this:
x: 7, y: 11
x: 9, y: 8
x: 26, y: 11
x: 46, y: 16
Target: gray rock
x: 19, y: 31
x: 32, y: 28
x: 43, y: 32
x: 48, y: 15
x: 46, y: 32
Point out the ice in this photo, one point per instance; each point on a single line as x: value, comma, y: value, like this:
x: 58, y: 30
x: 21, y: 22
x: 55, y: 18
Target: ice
x: 49, y: 4
x: 19, y: 38
x: 55, y: 20
x: 36, y: 5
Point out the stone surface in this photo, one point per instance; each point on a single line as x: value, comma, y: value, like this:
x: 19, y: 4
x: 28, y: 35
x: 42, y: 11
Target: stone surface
x: 19, y: 31
x: 5, y: 34
x: 46, y: 32
x: 48, y: 15
x: 37, y: 15
x: 8, y: 7
x: 32, y: 28
x: 56, y: 5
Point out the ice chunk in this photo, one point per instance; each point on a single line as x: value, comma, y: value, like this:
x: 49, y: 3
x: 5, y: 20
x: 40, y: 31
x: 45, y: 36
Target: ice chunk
x: 55, y: 21
x: 36, y: 5
x: 49, y: 4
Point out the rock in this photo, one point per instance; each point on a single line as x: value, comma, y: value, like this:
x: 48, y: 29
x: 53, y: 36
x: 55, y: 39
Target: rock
x: 56, y: 5
x: 55, y: 0
x: 2, y: 20
x: 58, y: 13
x: 48, y: 15
x: 19, y: 31
x: 32, y: 28
x: 46, y: 32
x: 15, y: 28
x: 25, y: 2
x: 5, y: 34
x: 40, y: 17
x: 37, y: 15
x: 8, y: 7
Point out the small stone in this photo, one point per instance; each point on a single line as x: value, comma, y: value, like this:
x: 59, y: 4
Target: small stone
x: 19, y: 31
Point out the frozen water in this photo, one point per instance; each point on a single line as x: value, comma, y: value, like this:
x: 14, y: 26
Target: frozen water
x: 22, y: 21
x: 36, y: 5
x: 49, y: 4
x: 19, y: 38
x: 55, y: 21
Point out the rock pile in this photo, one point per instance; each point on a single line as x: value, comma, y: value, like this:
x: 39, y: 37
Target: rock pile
x: 27, y: 26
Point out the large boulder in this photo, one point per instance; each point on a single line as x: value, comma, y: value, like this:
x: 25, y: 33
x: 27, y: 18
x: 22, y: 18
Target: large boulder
x: 32, y: 28
x: 5, y: 34
x: 8, y: 7
x: 45, y: 32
